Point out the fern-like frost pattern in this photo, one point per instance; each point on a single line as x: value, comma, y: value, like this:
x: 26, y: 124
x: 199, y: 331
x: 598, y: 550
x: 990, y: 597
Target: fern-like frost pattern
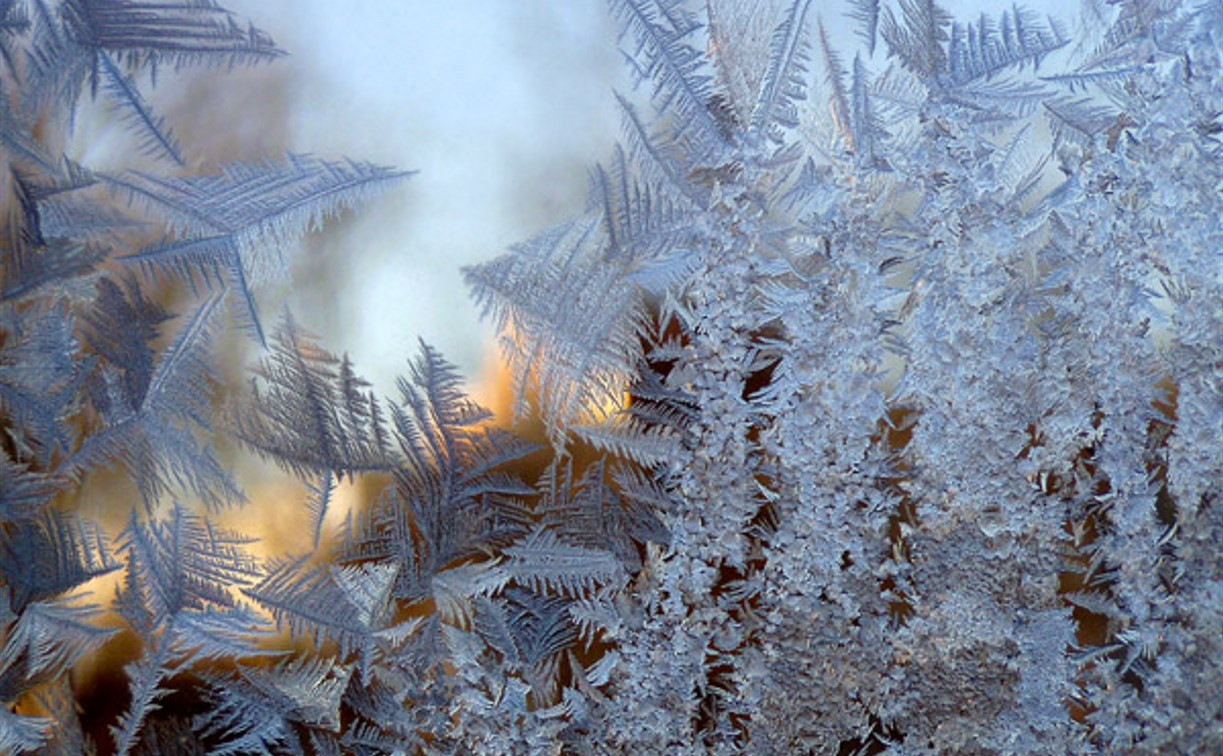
x: 878, y: 395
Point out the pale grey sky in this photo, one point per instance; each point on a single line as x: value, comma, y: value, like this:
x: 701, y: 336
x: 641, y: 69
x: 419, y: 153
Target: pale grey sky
x: 501, y: 107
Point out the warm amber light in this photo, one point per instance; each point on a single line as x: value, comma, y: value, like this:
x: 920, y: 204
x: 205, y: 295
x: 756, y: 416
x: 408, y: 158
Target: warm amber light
x: 493, y: 389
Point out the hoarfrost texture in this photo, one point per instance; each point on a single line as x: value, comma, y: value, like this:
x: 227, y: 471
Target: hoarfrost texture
x: 882, y: 396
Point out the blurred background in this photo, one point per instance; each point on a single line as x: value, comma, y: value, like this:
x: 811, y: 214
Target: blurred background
x: 501, y: 108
